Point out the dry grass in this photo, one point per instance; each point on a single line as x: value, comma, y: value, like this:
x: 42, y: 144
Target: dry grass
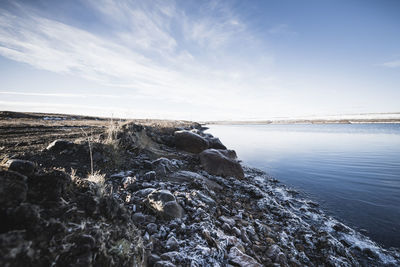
x: 97, y: 178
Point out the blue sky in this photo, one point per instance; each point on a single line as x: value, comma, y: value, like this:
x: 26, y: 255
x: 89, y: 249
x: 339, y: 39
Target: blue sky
x: 200, y: 60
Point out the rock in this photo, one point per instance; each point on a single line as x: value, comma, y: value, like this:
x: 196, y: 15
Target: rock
x: 227, y: 220
x: 190, y: 177
x: 149, y: 218
x: 144, y: 192
x: 237, y: 231
x: 239, y: 258
x: 13, y: 188
x: 163, y: 166
x: 206, y: 199
x: 172, y: 256
x: 226, y: 227
x: 152, y: 228
x: 149, y: 176
x: 273, y: 251
x: 60, y: 145
x: 164, y: 203
x: 24, y: 167
x: 244, y: 236
x: 152, y: 259
x: 138, y: 217
x: 172, y: 243
x: 221, y: 162
x: 190, y: 142
x: 214, y: 142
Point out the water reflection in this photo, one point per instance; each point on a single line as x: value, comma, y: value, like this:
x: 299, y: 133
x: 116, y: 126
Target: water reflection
x: 352, y: 170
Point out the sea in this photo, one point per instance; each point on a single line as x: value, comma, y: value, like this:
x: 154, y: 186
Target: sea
x: 351, y: 170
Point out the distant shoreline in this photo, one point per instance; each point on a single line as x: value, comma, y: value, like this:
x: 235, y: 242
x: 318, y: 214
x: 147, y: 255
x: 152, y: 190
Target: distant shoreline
x: 356, y: 121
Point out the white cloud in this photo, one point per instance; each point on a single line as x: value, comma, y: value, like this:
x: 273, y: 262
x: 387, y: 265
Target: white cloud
x: 144, y: 50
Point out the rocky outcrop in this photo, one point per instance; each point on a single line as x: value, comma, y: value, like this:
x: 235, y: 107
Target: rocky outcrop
x: 221, y: 162
x: 168, y: 208
x: 190, y: 141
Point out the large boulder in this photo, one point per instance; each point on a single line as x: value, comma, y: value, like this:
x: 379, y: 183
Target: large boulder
x: 221, y: 162
x: 164, y: 203
x: 190, y: 141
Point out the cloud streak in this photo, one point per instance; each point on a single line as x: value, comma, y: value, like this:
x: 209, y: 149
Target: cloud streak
x: 140, y: 51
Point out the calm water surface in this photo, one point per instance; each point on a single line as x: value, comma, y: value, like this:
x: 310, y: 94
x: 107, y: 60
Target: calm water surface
x: 352, y: 170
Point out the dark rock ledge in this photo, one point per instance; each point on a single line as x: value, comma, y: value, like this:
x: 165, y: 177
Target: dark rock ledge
x: 163, y: 197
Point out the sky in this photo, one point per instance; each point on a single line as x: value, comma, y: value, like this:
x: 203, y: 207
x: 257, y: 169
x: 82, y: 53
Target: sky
x: 200, y: 60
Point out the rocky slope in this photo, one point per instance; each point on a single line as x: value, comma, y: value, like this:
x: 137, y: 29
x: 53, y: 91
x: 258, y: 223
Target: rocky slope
x: 162, y: 195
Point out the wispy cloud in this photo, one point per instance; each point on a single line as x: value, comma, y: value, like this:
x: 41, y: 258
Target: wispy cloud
x: 392, y: 64
x: 143, y: 47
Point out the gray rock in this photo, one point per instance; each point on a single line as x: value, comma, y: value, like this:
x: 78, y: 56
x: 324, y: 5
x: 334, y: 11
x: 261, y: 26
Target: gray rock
x: 164, y: 203
x: 214, y: 142
x: 206, y: 199
x: 239, y: 258
x: 237, y: 231
x: 149, y: 176
x: 226, y: 227
x: 227, y: 220
x: 22, y: 166
x: 221, y: 162
x: 273, y: 251
x: 145, y: 192
x: 244, y: 236
x: 172, y: 243
x: 190, y: 177
x: 163, y: 166
x: 172, y: 256
x: 138, y: 217
x: 152, y: 228
x: 59, y: 145
x: 152, y: 259
x: 190, y: 142
x: 173, y: 210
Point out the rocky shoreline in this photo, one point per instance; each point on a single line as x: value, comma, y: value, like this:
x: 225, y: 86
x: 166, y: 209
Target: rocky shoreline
x: 163, y: 195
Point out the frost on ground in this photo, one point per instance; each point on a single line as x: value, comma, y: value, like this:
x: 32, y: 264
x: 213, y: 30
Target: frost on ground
x: 150, y: 203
